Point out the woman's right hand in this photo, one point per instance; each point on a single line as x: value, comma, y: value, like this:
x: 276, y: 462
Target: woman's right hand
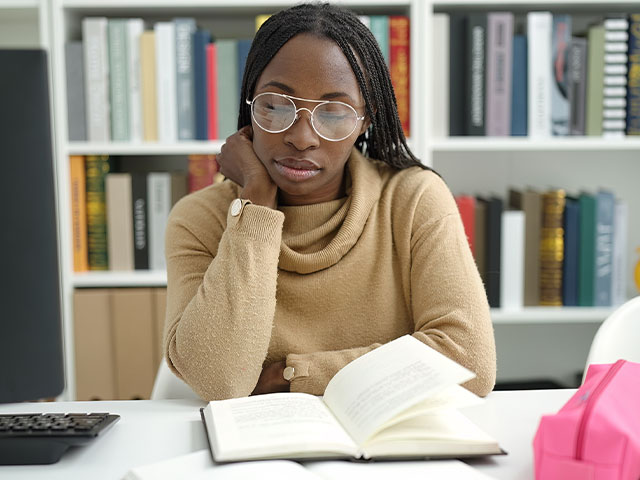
x: 238, y: 161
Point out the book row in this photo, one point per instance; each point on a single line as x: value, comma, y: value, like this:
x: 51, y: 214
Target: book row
x: 552, y: 77
x: 119, y: 217
x: 176, y: 81
x: 117, y: 341
x: 549, y: 248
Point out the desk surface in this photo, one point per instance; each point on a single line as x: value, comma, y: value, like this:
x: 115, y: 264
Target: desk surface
x: 150, y: 431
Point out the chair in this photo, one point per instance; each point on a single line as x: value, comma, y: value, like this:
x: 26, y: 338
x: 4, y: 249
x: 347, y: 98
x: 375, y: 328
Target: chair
x: 167, y: 386
x: 618, y: 337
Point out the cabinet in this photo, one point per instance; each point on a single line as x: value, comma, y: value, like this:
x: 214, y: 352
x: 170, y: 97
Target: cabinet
x: 469, y: 164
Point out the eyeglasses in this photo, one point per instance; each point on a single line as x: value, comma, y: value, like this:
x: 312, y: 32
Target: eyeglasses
x: 276, y: 112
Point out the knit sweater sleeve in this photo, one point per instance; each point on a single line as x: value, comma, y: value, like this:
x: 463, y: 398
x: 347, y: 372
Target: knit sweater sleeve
x: 221, y: 295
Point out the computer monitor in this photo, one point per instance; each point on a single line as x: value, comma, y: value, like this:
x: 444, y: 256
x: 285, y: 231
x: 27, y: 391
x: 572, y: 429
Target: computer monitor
x: 31, y: 360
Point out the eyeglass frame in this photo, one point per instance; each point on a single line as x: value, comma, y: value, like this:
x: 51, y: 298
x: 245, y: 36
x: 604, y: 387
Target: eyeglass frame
x: 296, y: 116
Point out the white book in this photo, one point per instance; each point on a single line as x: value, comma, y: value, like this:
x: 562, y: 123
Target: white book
x: 166, y: 82
x: 119, y: 221
x: 366, y: 20
x: 185, y: 88
x: 440, y: 77
x: 619, y: 273
x: 135, y: 27
x: 539, y: 27
x: 96, y: 77
x: 159, y: 206
x: 399, y: 400
x: 512, y: 259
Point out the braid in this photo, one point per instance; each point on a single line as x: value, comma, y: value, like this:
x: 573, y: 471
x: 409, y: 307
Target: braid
x: 384, y: 140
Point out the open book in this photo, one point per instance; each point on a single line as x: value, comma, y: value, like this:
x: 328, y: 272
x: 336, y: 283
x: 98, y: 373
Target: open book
x: 397, y: 401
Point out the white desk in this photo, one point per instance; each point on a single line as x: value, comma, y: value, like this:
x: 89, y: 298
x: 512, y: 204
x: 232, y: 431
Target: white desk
x: 150, y: 431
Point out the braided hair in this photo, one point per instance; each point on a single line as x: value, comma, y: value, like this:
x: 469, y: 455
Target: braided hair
x: 384, y: 140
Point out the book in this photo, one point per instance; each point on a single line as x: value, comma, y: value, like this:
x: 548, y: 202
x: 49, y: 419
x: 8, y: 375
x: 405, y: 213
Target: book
x: 440, y: 126
x: 379, y: 26
x: 201, y: 40
x: 159, y: 205
x: 228, y: 96
x: 399, y: 67
x: 605, y: 210
x: 480, y: 238
x: 202, y: 169
x: 519, y: 113
x: 120, y: 239
x: 494, y: 237
x: 135, y: 28
x: 159, y: 313
x: 457, y: 80
x: 586, y: 250
x: 614, y: 111
x: 619, y: 264
x: 539, y: 28
x: 570, y: 257
x: 512, y: 259
x: 97, y: 167
x: 397, y: 401
x: 577, y: 77
x: 595, y: 80
x: 78, y: 189
x: 476, y: 67
x: 552, y: 247
x: 244, y: 45
x: 148, y: 86
x: 499, y: 69
x: 74, y: 64
x: 633, y: 76
x: 118, y: 79
x: 466, y: 207
x: 184, y: 29
x: 166, y: 93
x: 140, y: 219
x: 560, y: 43
x: 96, y: 78
x: 212, y: 90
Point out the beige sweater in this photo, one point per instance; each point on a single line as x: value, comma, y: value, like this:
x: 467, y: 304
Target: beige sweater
x: 320, y: 285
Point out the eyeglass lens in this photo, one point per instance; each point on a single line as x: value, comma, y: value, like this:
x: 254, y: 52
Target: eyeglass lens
x: 331, y: 120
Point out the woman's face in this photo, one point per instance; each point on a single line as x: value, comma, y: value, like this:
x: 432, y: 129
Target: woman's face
x: 306, y: 167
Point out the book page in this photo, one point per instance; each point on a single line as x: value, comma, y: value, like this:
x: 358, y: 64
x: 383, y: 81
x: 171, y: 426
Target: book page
x: 284, y: 425
x: 372, y: 389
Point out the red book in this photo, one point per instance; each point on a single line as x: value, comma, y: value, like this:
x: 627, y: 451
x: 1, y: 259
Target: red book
x: 399, y: 66
x: 467, y: 206
x: 202, y: 170
x: 212, y: 91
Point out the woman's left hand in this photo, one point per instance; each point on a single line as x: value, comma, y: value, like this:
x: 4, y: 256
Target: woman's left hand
x: 272, y: 379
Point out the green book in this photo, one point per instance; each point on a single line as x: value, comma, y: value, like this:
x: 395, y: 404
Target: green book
x: 586, y: 250
x: 379, y: 25
x: 97, y: 167
x: 119, y: 82
x: 595, y: 80
x: 228, y: 96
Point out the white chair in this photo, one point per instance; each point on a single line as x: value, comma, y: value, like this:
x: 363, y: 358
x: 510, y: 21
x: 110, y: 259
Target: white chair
x: 619, y: 336
x: 167, y: 386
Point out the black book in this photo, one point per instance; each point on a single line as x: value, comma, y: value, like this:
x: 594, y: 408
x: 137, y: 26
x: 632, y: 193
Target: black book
x: 457, y: 69
x: 493, y: 234
x: 140, y: 221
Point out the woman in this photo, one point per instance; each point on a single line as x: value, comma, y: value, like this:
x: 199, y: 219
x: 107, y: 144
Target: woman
x: 315, y: 254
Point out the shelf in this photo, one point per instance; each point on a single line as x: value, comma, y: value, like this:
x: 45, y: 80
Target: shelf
x: 509, y: 144
x: 114, y: 148
x: 550, y: 315
x: 120, y: 279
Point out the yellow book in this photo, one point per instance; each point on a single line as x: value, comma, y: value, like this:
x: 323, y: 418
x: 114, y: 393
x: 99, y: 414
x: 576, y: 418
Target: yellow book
x: 148, y: 87
x: 552, y: 248
x: 260, y: 19
x: 79, y: 214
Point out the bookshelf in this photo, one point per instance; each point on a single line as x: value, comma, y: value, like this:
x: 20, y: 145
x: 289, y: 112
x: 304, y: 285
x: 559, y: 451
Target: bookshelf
x: 468, y: 164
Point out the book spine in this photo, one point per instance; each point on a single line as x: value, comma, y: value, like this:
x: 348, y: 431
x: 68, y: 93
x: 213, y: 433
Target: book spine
x: 76, y: 120
x: 201, y: 39
x: 440, y: 98
x: 118, y: 68
x: 519, y: 114
x: 228, y: 97
x: 148, y: 86
x: 96, y: 78
x: 577, y: 85
x: 552, y: 248
x: 539, y: 25
x: 512, y: 259
x: 212, y: 91
x: 399, y: 61
x: 605, y: 207
x: 79, y: 213
x: 619, y: 272
x: 476, y: 40
x: 499, y: 69
x: 244, y: 45
x: 179, y: 186
x: 595, y: 80
x: 494, y: 237
x: 466, y: 207
x: 135, y: 27
x: 202, y: 169
x: 480, y: 238
x: 570, y: 263
x: 166, y: 81
x: 184, y: 29
x: 140, y: 221
x: 560, y: 43
x: 633, y: 77
x: 159, y: 198
x: 457, y: 66
x: 586, y: 251
x: 614, y: 111
x: 380, y: 29
x: 97, y: 167
x: 119, y: 221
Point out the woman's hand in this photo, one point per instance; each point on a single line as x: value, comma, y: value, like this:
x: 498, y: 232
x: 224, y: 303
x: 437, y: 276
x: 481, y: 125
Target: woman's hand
x: 238, y: 161
x: 272, y: 379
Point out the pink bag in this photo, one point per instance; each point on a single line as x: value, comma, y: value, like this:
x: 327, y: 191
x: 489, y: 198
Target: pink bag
x: 596, y: 434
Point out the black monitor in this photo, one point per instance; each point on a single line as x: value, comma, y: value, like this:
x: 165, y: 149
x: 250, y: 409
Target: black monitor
x: 31, y: 360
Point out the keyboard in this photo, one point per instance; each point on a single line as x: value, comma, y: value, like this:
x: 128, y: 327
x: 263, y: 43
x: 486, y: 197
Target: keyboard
x: 42, y: 438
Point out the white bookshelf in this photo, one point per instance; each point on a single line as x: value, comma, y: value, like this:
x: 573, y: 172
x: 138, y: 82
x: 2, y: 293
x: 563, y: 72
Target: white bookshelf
x: 469, y: 165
